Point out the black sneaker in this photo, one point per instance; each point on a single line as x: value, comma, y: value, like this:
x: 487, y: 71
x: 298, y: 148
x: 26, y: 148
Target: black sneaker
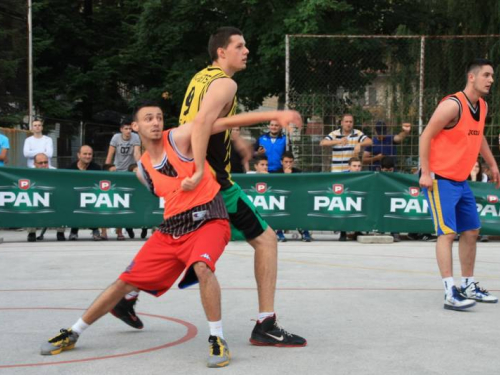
x: 144, y: 233
x: 269, y: 333
x: 124, y: 311
x: 130, y: 232
x: 343, y: 236
x: 31, y: 237
x: 60, y: 236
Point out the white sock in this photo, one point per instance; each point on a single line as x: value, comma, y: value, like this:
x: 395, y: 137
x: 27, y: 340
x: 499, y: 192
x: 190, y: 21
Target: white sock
x: 264, y: 315
x: 448, y: 283
x: 216, y: 329
x: 132, y: 295
x: 79, y: 327
x: 467, y: 280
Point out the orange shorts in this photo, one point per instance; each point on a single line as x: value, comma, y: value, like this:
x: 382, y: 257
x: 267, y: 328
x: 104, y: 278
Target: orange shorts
x: 163, y: 257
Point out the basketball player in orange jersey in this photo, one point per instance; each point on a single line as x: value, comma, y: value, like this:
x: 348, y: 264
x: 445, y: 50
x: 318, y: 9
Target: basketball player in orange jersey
x: 192, y: 236
x: 449, y: 147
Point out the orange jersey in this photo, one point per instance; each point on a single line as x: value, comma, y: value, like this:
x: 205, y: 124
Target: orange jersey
x: 165, y: 180
x: 454, y: 150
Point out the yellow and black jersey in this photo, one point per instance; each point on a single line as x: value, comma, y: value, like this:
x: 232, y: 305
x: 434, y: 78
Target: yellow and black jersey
x: 219, y: 146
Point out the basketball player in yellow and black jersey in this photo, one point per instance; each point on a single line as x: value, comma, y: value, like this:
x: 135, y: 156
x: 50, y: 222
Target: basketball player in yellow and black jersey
x: 211, y: 94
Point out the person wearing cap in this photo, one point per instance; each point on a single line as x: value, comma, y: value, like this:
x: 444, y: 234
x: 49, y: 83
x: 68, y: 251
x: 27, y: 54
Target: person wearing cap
x: 384, y: 144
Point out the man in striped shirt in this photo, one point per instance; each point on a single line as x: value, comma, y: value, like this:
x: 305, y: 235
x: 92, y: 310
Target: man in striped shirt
x: 346, y: 143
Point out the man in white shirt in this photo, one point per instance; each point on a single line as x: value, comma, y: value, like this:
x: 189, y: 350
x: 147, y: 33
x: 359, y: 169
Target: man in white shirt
x: 37, y: 144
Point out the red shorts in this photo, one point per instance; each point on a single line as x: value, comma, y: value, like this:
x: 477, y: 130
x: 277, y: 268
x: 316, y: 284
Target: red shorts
x: 163, y: 257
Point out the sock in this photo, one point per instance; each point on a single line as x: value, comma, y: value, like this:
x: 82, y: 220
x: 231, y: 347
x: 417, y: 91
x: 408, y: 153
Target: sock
x: 264, y: 315
x: 216, y: 329
x: 132, y: 295
x: 467, y: 280
x: 79, y: 327
x: 448, y: 283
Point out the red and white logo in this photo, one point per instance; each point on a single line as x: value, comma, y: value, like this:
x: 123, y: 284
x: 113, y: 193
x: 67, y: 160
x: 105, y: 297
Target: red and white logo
x: 414, y: 191
x: 24, y: 184
x: 492, y: 199
x: 338, y: 188
x: 261, y: 187
x: 105, y: 185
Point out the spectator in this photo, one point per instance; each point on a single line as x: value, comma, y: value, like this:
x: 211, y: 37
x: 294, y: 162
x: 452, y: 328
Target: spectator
x: 346, y: 142
x: 41, y: 161
x: 384, y: 144
x: 272, y: 144
x: 387, y: 164
x: 37, y: 143
x: 261, y: 164
x: 241, y: 153
x: 84, y: 163
x: 4, y: 149
x: 124, y: 148
x: 477, y: 175
x: 354, y: 164
x: 287, y: 166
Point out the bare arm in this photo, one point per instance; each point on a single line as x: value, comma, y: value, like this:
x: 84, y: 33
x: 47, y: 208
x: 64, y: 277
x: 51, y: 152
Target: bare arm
x: 333, y: 142
x: 182, y: 135
x: 137, y: 153
x: 368, y: 158
x: 218, y: 98
x: 406, y: 128
x: 3, y: 155
x: 445, y: 113
x: 111, y: 153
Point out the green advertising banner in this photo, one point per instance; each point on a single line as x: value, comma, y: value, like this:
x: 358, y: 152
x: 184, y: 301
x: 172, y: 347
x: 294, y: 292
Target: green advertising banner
x: 364, y: 201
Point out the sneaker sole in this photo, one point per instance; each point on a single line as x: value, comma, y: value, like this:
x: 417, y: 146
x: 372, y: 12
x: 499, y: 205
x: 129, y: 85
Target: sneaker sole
x: 458, y: 308
x: 483, y: 301
x: 278, y: 345
x: 60, y: 350
x: 124, y: 321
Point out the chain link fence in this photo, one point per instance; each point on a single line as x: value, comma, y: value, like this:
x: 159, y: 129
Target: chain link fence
x: 395, y: 79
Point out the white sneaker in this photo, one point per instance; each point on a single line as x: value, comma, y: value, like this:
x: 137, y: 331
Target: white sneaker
x: 473, y: 291
x: 456, y: 301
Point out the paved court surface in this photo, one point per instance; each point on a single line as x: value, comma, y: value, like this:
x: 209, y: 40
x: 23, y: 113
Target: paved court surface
x: 364, y: 309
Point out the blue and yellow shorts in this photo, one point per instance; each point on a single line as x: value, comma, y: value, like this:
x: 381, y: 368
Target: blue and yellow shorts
x: 453, y: 207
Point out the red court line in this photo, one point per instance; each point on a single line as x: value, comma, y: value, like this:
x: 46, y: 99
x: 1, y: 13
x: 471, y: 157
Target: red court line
x: 192, y: 331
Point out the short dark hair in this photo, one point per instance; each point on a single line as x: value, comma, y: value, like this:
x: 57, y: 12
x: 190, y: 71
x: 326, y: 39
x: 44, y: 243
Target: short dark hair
x: 107, y: 167
x: 143, y: 104
x: 38, y: 119
x: 347, y: 114
x: 477, y: 63
x: 352, y: 160
x: 259, y: 158
x: 387, y: 162
x: 126, y: 120
x: 131, y: 167
x: 220, y: 39
x: 288, y: 154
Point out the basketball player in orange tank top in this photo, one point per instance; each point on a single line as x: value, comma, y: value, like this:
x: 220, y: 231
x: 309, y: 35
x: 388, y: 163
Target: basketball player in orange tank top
x: 449, y: 147
x: 192, y: 236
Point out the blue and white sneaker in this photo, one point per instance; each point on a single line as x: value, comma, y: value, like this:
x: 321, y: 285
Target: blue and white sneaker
x: 456, y: 301
x: 473, y: 291
x: 281, y: 236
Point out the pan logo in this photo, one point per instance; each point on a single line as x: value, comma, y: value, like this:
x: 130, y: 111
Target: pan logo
x: 25, y: 197
x: 337, y: 201
x: 268, y: 201
x: 408, y: 204
x: 104, y: 198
